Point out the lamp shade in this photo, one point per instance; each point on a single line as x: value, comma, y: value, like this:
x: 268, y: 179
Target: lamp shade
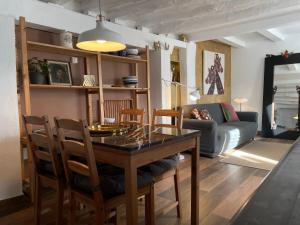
x: 240, y: 100
x: 195, y: 95
x: 101, y: 39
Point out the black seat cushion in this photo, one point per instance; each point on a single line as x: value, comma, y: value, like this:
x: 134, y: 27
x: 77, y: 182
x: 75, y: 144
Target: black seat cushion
x: 159, y: 167
x: 112, y: 181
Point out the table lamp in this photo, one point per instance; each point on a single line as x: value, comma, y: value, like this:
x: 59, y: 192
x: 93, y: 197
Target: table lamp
x: 195, y: 95
x: 240, y: 101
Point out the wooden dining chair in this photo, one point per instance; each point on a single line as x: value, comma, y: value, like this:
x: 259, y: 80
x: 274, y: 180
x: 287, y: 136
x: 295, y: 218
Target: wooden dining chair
x: 88, y: 184
x: 132, y: 117
x: 47, y: 167
x: 178, y: 115
x: 167, y: 167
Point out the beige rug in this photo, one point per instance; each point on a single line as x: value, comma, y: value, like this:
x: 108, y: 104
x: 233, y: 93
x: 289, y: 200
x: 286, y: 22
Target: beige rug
x: 258, y: 154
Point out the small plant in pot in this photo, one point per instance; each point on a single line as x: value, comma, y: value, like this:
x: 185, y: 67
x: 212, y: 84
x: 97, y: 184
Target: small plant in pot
x: 38, y: 71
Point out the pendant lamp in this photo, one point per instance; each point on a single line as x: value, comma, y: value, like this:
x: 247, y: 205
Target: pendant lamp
x: 101, y: 39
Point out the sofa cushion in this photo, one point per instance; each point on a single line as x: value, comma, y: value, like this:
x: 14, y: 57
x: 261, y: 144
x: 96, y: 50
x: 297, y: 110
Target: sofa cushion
x: 229, y: 112
x: 233, y: 134
x: 214, y: 110
x: 204, y: 114
x: 195, y: 114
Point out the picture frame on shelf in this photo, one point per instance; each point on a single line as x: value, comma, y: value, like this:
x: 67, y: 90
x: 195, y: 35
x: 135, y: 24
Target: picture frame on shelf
x: 89, y: 80
x: 59, y: 73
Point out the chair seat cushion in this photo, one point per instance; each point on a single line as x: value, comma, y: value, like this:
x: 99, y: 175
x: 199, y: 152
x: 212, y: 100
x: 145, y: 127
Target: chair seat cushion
x: 159, y: 167
x: 112, y: 181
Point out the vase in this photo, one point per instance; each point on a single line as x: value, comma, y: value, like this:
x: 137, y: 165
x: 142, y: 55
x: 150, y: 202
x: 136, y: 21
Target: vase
x: 38, y: 78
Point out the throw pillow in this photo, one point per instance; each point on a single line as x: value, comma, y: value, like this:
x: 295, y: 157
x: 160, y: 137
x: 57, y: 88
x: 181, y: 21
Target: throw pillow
x: 229, y: 112
x: 204, y: 114
x: 195, y: 114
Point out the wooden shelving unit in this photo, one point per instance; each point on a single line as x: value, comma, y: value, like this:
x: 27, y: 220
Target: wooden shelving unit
x: 26, y: 47
x: 43, y: 86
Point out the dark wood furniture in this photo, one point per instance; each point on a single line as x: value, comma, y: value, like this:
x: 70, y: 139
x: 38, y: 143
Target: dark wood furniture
x: 173, y: 172
x: 80, y: 164
x: 47, y: 169
x: 276, y: 201
x: 132, y: 117
x: 268, y: 97
x: 153, y: 144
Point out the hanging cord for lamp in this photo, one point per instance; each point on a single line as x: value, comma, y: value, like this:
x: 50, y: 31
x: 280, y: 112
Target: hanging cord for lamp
x: 169, y: 83
x: 100, y: 16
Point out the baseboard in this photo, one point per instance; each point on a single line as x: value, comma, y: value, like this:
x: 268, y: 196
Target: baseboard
x: 15, y: 204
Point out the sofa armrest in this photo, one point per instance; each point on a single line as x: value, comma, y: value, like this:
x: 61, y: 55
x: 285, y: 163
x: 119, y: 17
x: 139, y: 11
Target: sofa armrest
x: 195, y: 124
x: 248, y: 116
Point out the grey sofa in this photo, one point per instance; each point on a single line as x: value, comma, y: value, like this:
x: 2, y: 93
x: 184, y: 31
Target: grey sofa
x: 219, y: 135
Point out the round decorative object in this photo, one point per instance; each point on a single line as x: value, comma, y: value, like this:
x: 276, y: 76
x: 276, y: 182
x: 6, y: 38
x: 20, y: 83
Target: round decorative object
x: 133, y: 51
x: 66, y: 39
x: 108, y: 129
x: 130, y: 81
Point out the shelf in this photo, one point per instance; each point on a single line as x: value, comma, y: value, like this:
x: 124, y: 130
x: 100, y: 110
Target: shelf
x: 48, y: 86
x: 125, y: 89
x: 122, y: 59
x: 41, y: 47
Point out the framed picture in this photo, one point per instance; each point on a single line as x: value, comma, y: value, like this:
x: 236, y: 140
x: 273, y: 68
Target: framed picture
x: 213, y: 73
x: 59, y: 73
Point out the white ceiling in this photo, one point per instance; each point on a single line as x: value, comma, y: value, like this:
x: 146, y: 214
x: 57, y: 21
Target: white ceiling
x: 200, y: 19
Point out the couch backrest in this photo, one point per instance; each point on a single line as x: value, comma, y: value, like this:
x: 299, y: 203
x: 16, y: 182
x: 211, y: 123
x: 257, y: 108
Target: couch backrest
x: 214, y: 109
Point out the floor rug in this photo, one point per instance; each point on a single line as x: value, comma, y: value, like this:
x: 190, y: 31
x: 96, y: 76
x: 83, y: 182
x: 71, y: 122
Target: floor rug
x: 257, y: 154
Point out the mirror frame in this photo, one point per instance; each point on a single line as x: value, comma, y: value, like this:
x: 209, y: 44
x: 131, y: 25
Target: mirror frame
x: 270, y: 62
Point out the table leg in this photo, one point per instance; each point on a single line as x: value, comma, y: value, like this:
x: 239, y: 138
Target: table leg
x: 131, y: 194
x: 195, y: 184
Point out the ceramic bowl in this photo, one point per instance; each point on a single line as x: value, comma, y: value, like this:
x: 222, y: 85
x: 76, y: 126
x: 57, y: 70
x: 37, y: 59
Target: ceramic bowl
x: 133, y: 51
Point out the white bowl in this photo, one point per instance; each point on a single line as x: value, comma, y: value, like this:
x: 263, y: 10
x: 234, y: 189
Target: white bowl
x: 109, y: 120
x: 133, y: 51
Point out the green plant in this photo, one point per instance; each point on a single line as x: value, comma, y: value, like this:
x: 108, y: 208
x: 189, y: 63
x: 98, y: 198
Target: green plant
x: 36, y: 65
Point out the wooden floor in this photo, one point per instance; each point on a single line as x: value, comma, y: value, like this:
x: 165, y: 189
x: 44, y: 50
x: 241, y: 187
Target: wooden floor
x: 224, y: 189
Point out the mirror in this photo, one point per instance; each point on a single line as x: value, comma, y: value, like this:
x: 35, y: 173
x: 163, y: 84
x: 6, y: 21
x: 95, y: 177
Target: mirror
x: 285, y: 98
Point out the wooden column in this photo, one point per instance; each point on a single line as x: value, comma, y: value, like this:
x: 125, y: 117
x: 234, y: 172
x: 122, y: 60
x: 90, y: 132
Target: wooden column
x: 88, y: 96
x: 101, y: 99
x: 26, y: 93
x: 25, y: 73
x: 148, y: 85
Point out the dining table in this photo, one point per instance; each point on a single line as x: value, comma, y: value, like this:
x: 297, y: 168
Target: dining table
x: 144, y: 145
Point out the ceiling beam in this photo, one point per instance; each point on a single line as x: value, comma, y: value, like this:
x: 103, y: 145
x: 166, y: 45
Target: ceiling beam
x: 271, y: 34
x: 233, y: 41
x: 245, y: 26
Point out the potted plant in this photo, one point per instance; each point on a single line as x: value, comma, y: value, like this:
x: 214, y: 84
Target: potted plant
x: 38, y: 71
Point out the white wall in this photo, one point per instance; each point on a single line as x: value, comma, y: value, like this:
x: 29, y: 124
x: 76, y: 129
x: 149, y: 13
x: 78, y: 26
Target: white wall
x: 10, y: 170
x: 248, y: 70
x: 160, y: 90
x: 188, y: 72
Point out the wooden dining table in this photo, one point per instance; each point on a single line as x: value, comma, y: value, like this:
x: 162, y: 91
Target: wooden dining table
x: 145, y: 145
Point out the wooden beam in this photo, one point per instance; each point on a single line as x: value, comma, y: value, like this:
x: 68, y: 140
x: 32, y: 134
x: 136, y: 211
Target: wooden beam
x: 233, y: 41
x: 101, y: 99
x: 271, y: 34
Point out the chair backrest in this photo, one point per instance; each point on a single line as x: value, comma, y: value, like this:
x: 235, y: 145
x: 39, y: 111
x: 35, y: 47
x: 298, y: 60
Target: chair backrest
x: 112, y: 108
x: 178, y: 115
x: 132, y: 117
x: 41, y: 143
x: 77, y: 152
